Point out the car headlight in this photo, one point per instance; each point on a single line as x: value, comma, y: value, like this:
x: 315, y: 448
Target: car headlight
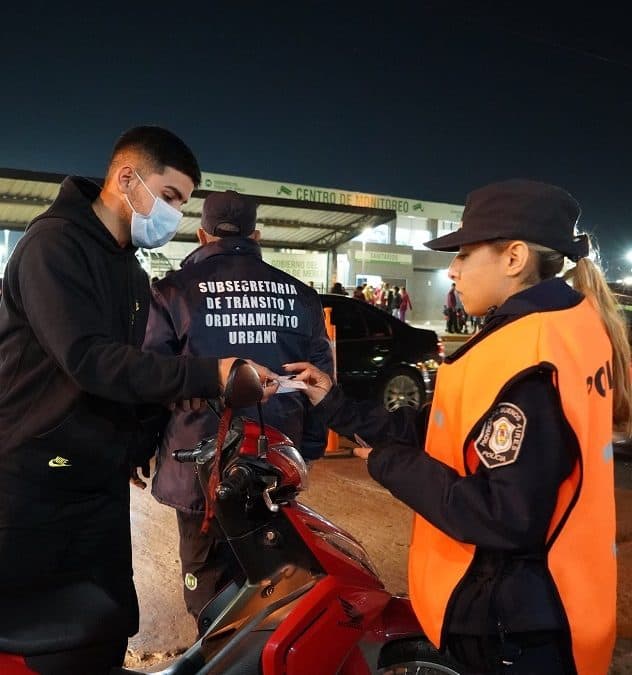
x: 427, y: 368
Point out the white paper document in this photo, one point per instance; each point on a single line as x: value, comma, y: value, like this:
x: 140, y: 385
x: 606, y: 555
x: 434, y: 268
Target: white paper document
x: 288, y: 384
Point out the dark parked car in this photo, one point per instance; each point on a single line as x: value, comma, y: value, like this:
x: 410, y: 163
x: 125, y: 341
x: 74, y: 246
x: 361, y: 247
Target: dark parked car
x: 380, y: 357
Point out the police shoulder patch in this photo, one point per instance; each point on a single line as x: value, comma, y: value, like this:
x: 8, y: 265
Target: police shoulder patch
x: 500, y: 439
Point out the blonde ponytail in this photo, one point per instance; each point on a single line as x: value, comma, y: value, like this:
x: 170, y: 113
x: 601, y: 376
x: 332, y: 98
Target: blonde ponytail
x: 588, y: 279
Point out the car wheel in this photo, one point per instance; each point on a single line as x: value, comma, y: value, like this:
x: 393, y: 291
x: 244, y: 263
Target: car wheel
x: 621, y: 445
x: 403, y: 387
x: 414, y: 657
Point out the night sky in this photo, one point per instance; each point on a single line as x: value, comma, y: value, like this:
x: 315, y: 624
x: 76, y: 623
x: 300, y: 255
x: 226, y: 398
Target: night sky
x: 423, y: 100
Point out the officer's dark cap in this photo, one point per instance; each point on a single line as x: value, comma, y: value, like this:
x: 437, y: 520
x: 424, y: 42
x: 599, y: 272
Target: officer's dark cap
x: 229, y: 214
x: 527, y: 210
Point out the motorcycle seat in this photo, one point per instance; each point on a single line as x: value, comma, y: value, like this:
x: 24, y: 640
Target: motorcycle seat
x: 58, y: 619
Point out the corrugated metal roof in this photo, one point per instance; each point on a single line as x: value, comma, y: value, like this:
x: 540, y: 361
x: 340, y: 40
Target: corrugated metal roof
x: 287, y: 223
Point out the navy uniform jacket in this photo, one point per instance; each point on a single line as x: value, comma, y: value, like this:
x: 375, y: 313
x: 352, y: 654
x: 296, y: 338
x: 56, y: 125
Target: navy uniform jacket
x: 508, y: 575
x: 226, y: 301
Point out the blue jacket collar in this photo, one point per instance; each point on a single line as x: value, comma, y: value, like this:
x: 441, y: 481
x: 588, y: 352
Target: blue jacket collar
x: 224, y: 246
x: 546, y: 296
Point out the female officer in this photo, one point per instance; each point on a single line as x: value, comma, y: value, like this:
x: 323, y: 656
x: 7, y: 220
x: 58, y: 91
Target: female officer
x: 512, y: 562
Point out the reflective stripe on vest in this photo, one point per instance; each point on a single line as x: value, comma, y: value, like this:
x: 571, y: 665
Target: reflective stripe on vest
x: 582, y: 554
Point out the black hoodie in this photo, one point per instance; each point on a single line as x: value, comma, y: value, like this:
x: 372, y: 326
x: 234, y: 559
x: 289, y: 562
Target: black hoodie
x: 71, y: 320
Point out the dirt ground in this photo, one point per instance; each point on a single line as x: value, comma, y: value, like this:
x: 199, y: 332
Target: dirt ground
x: 341, y: 490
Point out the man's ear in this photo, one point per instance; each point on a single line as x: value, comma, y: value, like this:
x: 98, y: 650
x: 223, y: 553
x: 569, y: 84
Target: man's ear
x: 516, y: 257
x: 124, y: 175
x: 256, y: 235
x: 203, y: 236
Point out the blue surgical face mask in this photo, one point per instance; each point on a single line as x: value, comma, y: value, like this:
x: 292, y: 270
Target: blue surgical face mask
x: 158, y: 226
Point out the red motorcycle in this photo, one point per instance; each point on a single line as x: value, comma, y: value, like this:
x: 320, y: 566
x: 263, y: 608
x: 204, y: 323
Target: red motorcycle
x: 310, y: 603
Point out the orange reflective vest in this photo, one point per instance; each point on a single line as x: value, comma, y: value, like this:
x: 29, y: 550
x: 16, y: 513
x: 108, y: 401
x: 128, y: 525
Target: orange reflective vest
x: 581, y: 535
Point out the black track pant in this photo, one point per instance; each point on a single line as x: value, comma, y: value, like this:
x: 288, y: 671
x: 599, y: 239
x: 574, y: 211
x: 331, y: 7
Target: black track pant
x: 536, y: 653
x: 208, y: 563
x: 48, y: 537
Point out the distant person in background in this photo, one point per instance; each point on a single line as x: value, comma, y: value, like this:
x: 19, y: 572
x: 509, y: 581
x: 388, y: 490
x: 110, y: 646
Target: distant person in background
x: 387, y: 299
x: 358, y: 294
x: 378, y: 294
x: 461, y: 316
x: 369, y: 296
x: 337, y: 289
x: 405, y: 304
x: 397, y: 301
x: 386, y: 289
x: 450, y: 309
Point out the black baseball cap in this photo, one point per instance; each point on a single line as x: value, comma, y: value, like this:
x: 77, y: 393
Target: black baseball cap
x: 528, y: 210
x: 229, y: 214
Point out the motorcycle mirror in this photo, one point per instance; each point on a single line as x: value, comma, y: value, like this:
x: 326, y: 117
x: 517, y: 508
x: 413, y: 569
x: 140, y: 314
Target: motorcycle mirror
x: 243, y: 387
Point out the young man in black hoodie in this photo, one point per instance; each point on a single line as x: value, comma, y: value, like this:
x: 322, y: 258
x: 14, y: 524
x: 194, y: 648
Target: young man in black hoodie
x: 74, y: 385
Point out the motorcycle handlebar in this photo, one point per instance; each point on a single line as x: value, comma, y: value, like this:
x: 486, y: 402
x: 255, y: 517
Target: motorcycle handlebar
x: 235, y: 483
x: 186, y: 455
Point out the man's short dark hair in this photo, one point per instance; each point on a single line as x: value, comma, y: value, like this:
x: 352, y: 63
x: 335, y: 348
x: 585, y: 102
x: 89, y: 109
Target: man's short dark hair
x: 160, y: 148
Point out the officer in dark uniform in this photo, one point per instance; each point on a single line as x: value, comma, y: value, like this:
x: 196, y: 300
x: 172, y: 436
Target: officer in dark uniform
x: 227, y: 300
x: 511, y: 565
